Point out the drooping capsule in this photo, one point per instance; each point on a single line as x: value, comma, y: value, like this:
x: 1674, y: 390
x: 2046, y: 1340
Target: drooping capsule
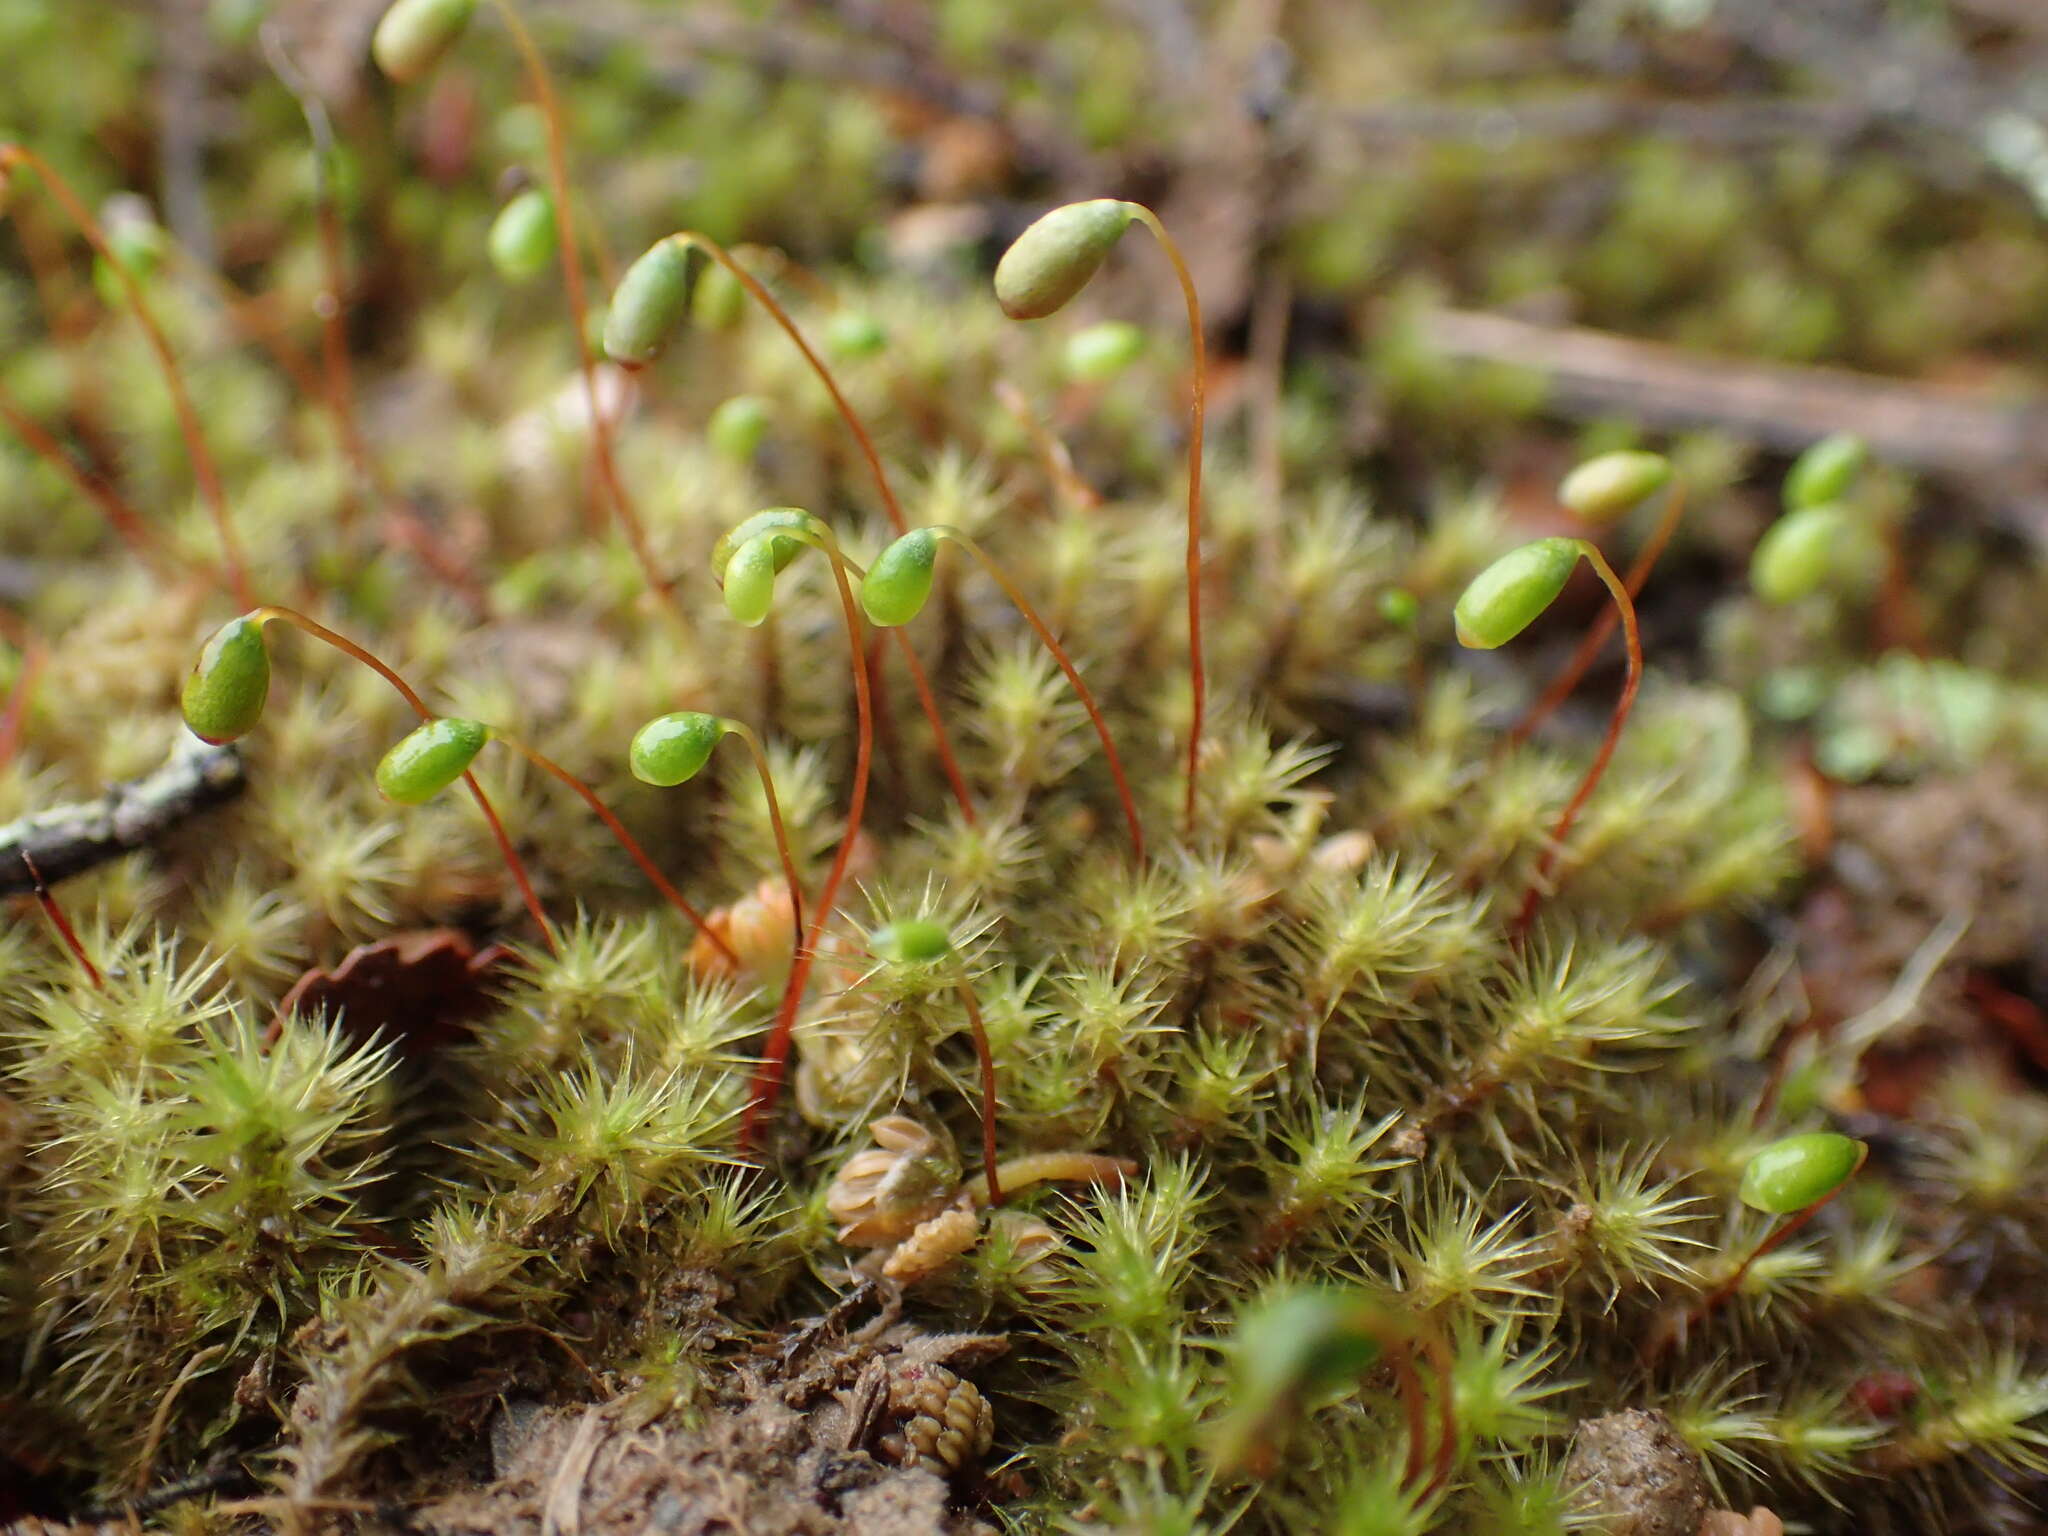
x: 648, y: 305
x: 1800, y: 1171
x: 414, y: 35
x: 1505, y: 598
x: 673, y: 749
x: 429, y: 758
x: 1052, y: 260
x: 1613, y: 484
x: 897, y: 585
x: 227, y: 687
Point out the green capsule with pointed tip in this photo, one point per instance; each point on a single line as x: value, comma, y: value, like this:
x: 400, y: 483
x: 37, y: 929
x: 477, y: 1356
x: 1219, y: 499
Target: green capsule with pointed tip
x: 750, y: 580
x: 523, y: 237
x: 1505, y: 598
x: 1800, y: 1171
x: 1400, y: 607
x: 1823, y: 473
x: 226, y: 689
x: 414, y: 35
x: 898, y: 583
x: 853, y: 334
x: 911, y: 941
x: 648, y: 305
x: 1052, y: 260
x: 430, y: 758
x: 737, y: 426
x: 1613, y: 484
x: 673, y: 749
x: 1797, y: 554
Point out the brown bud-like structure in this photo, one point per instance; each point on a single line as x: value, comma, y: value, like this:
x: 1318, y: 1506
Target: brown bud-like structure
x: 882, y: 1195
x: 1052, y: 260
x: 944, y: 1421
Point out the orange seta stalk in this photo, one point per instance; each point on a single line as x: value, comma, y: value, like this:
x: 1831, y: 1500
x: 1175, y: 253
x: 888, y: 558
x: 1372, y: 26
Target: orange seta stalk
x: 129, y: 524
x: 1627, y: 609
x: 986, y: 1059
x: 336, y: 385
x: 61, y: 923
x: 625, y: 839
x: 775, y: 1055
x: 758, y: 291
x: 572, y: 287
x: 349, y: 648
x: 1562, y: 685
x: 1059, y: 654
x: 1197, y: 413
x: 203, y: 467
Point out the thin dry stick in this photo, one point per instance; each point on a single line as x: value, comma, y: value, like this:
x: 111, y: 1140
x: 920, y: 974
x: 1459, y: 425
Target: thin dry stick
x: 203, y: 468
x: 988, y: 1096
x: 1059, y: 654
x: 350, y: 649
x: 572, y: 286
x: 1562, y: 685
x: 625, y: 839
x: 129, y: 524
x: 60, y: 922
x: 758, y: 291
x: 1615, y: 722
x: 775, y: 1056
x: 1197, y: 412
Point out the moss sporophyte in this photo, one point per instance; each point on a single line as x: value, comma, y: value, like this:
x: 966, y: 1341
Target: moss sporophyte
x: 1360, y: 1094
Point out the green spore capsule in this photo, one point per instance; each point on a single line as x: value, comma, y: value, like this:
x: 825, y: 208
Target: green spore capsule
x: 1614, y: 484
x: 1052, y: 260
x: 737, y: 427
x: 1796, y: 555
x: 1400, y: 607
x: 1800, y: 1171
x: 1099, y: 353
x: 673, y: 749
x: 429, y: 759
x: 769, y: 520
x: 523, y: 237
x: 898, y: 583
x: 719, y: 301
x: 137, y: 244
x: 1291, y: 1347
x: 226, y: 689
x: 852, y: 334
x: 1505, y: 598
x: 750, y: 580
x: 648, y: 305
x: 912, y: 941
x: 1824, y: 472
x: 414, y: 35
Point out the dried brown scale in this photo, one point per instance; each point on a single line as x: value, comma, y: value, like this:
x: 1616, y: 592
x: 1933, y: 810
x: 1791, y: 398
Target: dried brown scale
x: 932, y: 1245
